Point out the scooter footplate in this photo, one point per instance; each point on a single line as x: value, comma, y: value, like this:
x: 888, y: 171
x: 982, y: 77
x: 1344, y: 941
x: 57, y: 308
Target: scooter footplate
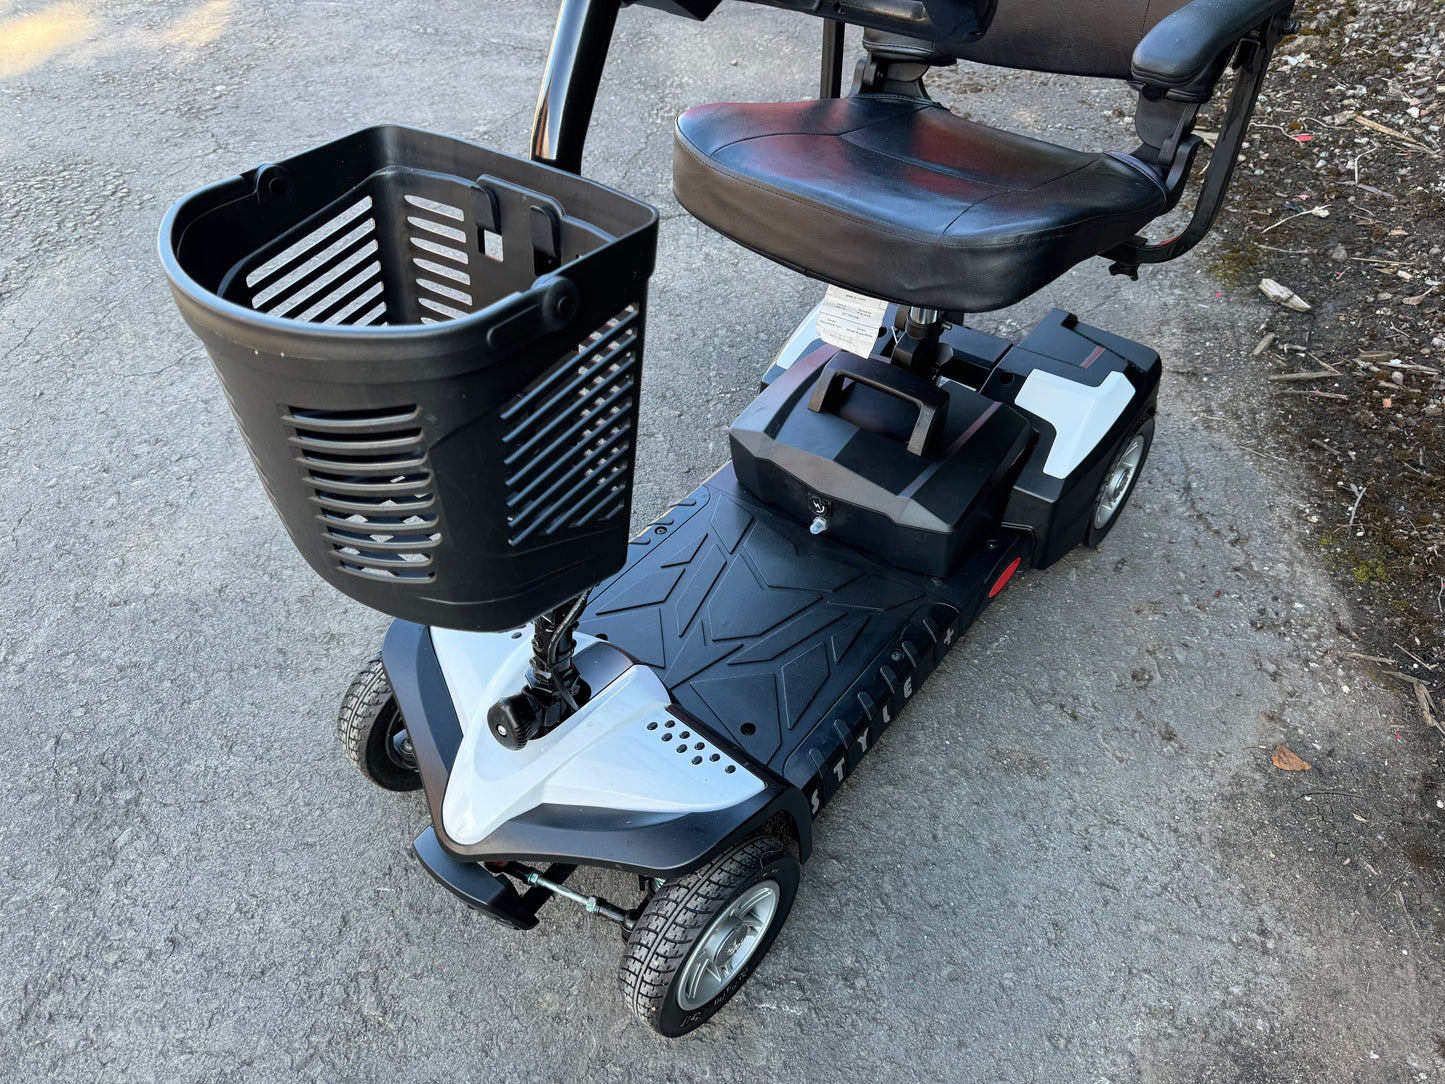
x: 798, y: 649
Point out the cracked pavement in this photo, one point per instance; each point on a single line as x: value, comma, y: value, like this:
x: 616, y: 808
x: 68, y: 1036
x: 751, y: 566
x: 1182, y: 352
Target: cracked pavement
x: 1070, y: 861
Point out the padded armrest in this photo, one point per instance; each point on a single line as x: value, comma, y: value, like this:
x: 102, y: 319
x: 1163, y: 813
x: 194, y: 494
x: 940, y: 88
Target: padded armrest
x: 1185, y: 46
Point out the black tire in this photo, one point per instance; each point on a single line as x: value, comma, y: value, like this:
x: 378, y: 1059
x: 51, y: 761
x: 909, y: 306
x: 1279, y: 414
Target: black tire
x: 373, y: 731
x: 1097, y: 532
x: 679, y: 916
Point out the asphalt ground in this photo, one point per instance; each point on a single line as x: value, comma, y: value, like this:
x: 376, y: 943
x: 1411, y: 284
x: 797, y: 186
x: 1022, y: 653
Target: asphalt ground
x: 1071, y: 860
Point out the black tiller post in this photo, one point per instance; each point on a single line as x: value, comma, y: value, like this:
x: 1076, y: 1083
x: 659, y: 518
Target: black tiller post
x: 569, y: 85
x: 830, y: 83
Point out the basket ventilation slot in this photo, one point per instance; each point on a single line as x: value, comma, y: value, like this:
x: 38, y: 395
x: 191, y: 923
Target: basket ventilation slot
x: 330, y: 276
x: 568, y: 439
x: 371, y: 484
x: 438, y: 234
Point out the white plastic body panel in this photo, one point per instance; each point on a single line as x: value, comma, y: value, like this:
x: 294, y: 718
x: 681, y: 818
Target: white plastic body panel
x: 603, y: 757
x: 1081, y: 415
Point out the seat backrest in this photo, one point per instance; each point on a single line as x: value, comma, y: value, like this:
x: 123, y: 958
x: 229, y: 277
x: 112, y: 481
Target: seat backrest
x: 1072, y: 37
x: 951, y: 23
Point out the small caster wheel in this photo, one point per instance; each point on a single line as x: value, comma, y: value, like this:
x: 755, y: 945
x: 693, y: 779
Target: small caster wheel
x: 700, y: 936
x: 1119, y: 482
x: 373, y: 731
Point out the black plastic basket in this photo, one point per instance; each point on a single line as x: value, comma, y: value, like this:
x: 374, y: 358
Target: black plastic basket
x: 434, y: 353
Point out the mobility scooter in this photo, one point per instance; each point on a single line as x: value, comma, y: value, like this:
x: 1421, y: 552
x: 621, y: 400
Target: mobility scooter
x: 434, y: 353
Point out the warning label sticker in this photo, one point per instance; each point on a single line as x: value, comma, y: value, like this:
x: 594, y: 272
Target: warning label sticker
x: 850, y: 321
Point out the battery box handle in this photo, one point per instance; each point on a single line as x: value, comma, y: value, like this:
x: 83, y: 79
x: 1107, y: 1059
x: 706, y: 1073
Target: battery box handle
x: 930, y: 400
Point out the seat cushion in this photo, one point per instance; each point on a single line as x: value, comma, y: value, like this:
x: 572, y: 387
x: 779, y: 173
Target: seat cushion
x: 898, y: 198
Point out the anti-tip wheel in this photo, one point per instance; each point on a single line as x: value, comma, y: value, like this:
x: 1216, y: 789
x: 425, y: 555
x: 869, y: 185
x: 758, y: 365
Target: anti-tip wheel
x: 373, y: 731
x: 701, y: 936
x: 1119, y: 482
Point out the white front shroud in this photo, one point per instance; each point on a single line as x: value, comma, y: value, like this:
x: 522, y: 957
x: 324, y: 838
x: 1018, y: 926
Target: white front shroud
x: 604, y: 757
x: 1081, y: 416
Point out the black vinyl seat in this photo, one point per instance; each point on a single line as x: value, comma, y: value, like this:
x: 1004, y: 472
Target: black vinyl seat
x: 896, y: 197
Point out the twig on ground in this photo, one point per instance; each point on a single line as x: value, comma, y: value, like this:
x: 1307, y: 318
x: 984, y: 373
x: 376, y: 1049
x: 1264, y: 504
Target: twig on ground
x: 1370, y: 189
x: 1411, y: 678
x: 1401, y: 897
x: 1359, y: 492
x: 1360, y: 158
x: 1280, y: 377
x: 1316, y: 393
x: 1376, y: 126
x: 1422, y: 697
x: 1405, y: 366
x: 1412, y: 655
x: 1264, y: 344
x: 1333, y: 451
x: 1318, y: 212
x: 1260, y: 451
x: 1369, y: 658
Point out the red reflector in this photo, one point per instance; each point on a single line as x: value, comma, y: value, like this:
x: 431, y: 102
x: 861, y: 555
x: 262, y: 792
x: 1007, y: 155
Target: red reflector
x: 1004, y: 579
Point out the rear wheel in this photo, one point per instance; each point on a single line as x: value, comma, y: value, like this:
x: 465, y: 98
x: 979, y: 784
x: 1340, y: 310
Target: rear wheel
x: 700, y: 937
x: 373, y: 731
x: 1119, y: 482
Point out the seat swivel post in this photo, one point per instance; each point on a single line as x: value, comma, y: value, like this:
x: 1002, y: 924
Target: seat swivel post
x: 554, y: 689
x: 918, y: 349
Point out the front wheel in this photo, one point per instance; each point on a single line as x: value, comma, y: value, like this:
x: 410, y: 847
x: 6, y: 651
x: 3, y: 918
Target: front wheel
x: 701, y: 936
x: 1119, y: 482
x: 373, y: 731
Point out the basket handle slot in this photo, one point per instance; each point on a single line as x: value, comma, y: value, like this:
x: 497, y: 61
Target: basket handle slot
x: 546, y: 238
x: 529, y: 219
x: 485, y: 207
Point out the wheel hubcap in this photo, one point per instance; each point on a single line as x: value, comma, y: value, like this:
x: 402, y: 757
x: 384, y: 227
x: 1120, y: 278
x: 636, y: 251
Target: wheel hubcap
x: 399, y: 748
x: 1116, y: 486
x: 727, y: 945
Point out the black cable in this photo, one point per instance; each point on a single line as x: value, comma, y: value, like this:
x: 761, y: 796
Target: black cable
x: 561, y: 685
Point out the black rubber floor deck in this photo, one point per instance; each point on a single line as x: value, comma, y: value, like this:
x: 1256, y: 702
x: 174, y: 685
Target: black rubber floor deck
x: 798, y: 649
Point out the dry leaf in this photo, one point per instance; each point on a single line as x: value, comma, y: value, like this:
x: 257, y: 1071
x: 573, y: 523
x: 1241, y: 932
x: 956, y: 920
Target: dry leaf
x: 1287, y: 761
